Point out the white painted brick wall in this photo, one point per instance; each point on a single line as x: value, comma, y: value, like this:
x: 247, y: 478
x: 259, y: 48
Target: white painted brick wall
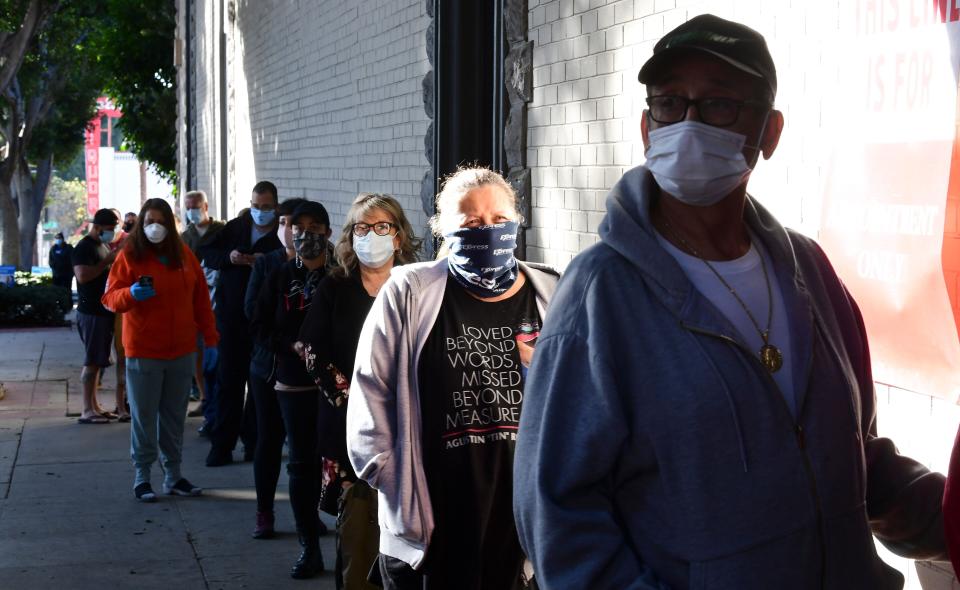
x: 206, y: 119
x: 326, y: 101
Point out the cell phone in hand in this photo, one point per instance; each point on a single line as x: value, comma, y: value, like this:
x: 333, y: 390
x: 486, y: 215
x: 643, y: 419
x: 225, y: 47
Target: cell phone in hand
x: 145, y: 281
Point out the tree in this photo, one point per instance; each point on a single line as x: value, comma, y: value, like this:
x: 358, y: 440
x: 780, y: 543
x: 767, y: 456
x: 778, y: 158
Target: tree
x: 49, y: 103
x: 136, y: 49
x: 20, y: 21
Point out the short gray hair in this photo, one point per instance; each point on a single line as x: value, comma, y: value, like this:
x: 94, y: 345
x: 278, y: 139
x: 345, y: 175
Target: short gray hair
x: 192, y: 194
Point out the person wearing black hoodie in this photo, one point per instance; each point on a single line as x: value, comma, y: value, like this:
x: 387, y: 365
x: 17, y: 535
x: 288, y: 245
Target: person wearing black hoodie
x: 281, y: 307
x: 251, y: 235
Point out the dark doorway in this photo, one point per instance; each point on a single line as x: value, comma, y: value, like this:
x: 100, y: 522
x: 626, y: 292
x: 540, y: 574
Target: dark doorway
x: 470, y: 96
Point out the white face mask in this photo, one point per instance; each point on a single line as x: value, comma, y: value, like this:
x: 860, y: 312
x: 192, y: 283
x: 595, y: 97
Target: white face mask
x: 696, y: 163
x: 372, y: 250
x: 285, y: 237
x: 155, y: 232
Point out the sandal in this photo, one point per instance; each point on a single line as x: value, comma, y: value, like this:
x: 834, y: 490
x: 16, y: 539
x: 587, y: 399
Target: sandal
x: 95, y: 419
x: 124, y: 417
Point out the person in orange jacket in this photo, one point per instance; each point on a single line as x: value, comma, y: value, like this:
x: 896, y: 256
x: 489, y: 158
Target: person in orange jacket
x: 157, y: 283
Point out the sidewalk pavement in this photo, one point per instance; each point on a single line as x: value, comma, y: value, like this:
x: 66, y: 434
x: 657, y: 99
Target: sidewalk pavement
x: 68, y: 518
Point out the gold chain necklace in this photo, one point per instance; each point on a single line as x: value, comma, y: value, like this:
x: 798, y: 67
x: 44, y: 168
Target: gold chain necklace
x: 770, y: 356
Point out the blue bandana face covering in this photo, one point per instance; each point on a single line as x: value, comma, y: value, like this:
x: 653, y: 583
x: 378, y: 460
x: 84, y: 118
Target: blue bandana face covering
x: 481, y: 258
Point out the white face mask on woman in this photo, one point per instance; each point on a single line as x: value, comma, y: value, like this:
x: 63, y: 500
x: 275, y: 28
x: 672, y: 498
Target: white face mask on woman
x: 155, y: 232
x: 373, y: 251
x: 696, y: 163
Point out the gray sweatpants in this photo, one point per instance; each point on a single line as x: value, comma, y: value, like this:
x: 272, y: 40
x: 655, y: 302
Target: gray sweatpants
x: 159, y: 391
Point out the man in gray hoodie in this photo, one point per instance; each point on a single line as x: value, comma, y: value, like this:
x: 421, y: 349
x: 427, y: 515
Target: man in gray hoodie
x: 701, y: 412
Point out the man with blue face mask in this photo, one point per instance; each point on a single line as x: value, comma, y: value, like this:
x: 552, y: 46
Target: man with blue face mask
x: 704, y: 378
x: 91, y: 265
x: 61, y: 263
x: 233, y: 251
x: 201, y: 231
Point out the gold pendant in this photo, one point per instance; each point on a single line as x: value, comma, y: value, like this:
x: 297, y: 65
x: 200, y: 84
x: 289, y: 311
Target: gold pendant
x: 771, y: 357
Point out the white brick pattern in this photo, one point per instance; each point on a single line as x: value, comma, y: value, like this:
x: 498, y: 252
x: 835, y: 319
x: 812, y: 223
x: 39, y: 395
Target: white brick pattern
x: 325, y: 101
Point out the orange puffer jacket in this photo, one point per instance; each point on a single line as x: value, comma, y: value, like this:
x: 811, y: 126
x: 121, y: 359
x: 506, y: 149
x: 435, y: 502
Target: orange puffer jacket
x: 166, y: 325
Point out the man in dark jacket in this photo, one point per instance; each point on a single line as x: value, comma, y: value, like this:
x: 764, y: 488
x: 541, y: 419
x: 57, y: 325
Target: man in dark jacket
x: 233, y: 252
x: 61, y: 262
x: 701, y: 411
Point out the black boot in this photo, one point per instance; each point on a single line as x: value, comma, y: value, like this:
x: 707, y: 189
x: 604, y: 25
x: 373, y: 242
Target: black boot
x: 310, y: 562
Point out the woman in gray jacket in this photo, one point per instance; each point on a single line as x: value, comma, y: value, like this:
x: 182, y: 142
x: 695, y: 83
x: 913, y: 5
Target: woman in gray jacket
x: 437, y: 393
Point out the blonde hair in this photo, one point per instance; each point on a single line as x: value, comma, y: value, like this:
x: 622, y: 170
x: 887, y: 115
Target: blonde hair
x: 455, y: 187
x: 363, y: 204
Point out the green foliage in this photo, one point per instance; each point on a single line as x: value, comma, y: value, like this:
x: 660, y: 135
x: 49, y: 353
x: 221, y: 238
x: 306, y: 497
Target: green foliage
x: 136, y: 49
x: 73, y: 169
x: 34, y: 305
x: 63, y: 67
x: 67, y: 204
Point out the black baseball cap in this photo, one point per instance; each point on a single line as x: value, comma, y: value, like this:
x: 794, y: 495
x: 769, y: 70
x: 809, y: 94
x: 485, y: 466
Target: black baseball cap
x: 313, y: 209
x: 105, y: 217
x: 734, y: 43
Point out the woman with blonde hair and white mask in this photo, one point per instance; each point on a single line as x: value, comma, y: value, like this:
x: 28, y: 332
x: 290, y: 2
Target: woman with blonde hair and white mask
x: 376, y: 237
x: 437, y: 392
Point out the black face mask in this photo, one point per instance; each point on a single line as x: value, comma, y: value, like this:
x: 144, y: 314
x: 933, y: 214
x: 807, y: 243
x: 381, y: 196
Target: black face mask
x: 127, y: 226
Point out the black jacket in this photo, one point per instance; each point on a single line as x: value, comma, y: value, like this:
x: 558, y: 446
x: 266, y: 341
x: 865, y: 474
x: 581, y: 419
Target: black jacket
x: 233, y: 278
x: 282, y: 304
x: 60, y: 260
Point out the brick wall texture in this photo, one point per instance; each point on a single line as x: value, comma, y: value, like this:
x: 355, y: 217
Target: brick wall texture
x: 324, y: 99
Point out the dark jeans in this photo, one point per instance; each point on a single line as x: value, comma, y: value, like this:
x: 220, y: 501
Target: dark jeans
x: 233, y: 419
x: 270, y: 435
x: 211, y: 381
x: 301, y: 419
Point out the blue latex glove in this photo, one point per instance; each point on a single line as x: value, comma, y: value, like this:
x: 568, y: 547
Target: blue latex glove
x: 141, y: 293
x: 210, y: 356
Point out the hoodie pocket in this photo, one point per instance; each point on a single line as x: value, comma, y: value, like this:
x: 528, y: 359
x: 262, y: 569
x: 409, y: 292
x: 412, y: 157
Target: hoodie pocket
x: 790, y: 562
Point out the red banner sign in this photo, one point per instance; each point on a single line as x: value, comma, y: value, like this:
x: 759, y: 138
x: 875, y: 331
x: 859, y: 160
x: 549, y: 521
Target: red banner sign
x: 885, y: 210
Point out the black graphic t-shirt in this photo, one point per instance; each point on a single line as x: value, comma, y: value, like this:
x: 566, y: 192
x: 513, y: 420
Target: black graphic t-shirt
x: 471, y: 392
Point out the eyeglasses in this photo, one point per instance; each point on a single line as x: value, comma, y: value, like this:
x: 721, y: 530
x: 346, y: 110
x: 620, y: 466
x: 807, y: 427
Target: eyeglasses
x: 381, y: 228
x: 718, y: 112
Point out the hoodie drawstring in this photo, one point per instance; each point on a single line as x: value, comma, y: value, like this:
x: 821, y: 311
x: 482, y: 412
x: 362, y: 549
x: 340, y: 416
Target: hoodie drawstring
x: 733, y: 408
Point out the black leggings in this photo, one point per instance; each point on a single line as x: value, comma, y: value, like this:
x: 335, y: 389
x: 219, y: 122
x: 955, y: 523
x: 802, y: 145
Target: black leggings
x: 300, y: 410
x: 270, y: 435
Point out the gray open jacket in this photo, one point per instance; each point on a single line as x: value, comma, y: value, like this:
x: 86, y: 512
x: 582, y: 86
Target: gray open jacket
x: 383, y: 415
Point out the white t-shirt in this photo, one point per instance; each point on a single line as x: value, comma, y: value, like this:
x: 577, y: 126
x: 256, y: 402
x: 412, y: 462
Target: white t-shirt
x: 745, y: 276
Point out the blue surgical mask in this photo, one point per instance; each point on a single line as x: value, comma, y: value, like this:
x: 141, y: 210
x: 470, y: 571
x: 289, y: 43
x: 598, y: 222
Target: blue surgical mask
x: 106, y: 236
x: 194, y: 216
x: 58, y: 242
x: 262, y: 218
x: 481, y: 258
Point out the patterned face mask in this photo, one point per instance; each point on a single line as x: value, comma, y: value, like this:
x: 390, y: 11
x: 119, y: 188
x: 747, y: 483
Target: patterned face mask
x: 481, y: 258
x: 309, y: 245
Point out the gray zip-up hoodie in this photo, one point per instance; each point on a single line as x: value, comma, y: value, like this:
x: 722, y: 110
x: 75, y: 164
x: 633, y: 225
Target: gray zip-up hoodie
x: 656, y: 452
x: 383, y: 416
